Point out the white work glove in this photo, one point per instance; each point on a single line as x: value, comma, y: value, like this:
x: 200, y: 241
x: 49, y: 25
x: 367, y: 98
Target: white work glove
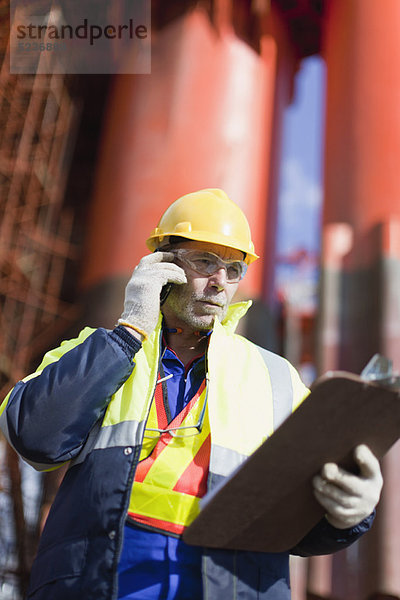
x: 142, y: 294
x: 348, y: 498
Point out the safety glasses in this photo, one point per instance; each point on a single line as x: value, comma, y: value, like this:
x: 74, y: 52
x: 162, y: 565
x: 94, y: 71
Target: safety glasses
x: 208, y: 263
x: 182, y: 431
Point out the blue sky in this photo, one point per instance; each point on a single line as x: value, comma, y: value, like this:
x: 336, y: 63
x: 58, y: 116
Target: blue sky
x: 300, y: 195
x: 301, y: 174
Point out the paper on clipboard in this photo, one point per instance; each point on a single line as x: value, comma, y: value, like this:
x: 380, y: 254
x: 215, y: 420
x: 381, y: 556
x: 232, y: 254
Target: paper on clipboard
x: 267, y: 504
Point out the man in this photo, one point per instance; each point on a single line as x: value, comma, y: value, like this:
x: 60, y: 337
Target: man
x: 153, y: 414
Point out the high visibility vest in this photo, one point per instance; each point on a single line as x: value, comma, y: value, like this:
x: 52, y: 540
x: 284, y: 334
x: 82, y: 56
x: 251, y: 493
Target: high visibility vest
x: 171, y: 476
x: 250, y: 392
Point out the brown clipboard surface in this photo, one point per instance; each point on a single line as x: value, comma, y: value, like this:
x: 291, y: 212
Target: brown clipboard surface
x: 268, y: 505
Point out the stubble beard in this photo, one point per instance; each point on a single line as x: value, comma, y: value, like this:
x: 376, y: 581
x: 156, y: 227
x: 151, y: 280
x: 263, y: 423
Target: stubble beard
x: 188, y: 308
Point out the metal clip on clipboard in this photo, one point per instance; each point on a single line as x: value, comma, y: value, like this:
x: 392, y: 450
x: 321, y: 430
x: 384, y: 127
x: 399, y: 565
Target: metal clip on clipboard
x: 380, y: 370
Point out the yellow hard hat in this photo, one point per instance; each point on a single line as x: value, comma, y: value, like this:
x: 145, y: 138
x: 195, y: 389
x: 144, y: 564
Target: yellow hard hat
x: 206, y: 216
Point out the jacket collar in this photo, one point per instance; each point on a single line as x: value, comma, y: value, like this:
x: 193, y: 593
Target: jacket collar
x: 235, y: 312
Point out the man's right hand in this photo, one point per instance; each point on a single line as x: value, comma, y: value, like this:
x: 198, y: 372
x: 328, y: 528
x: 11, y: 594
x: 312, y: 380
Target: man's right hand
x: 142, y: 294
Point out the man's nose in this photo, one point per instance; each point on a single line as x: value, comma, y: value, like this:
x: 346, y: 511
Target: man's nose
x: 219, y: 279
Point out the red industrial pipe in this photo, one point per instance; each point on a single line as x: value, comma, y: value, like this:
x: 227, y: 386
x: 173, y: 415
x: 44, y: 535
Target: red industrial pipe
x: 361, y: 250
x: 203, y: 118
x: 362, y: 51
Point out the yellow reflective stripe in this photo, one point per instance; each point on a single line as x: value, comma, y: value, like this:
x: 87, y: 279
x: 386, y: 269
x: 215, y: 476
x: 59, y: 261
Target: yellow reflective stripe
x: 4, y: 403
x: 155, y: 497
x: 177, y: 456
x: 167, y: 505
x: 65, y: 346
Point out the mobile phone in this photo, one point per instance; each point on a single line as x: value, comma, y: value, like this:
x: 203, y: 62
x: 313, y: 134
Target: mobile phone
x: 164, y: 293
x: 166, y: 288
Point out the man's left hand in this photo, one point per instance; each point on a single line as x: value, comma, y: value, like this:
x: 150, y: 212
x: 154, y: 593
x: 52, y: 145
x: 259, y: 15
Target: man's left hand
x: 348, y: 498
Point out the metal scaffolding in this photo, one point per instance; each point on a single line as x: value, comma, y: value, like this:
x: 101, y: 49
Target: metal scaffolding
x: 38, y: 121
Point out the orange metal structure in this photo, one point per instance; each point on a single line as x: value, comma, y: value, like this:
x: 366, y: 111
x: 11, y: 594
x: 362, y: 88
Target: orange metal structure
x: 204, y: 118
x: 362, y: 52
x: 361, y: 250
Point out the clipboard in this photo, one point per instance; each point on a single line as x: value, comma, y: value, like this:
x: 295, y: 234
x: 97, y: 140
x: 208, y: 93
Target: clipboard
x: 267, y: 505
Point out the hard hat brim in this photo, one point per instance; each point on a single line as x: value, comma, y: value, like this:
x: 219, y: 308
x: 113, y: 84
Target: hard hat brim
x: 156, y: 241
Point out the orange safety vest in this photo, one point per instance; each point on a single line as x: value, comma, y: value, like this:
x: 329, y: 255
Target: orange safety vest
x: 172, y: 472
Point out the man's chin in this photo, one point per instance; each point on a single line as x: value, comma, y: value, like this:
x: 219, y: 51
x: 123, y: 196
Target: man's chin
x: 202, y: 323
x: 205, y: 324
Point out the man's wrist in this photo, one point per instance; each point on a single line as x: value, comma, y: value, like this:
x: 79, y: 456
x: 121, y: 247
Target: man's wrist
x: 124, y: 337
x: 138, y: 333
x: 139, y: 336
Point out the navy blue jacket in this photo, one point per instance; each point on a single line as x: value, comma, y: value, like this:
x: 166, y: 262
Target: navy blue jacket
x: 48, y: 419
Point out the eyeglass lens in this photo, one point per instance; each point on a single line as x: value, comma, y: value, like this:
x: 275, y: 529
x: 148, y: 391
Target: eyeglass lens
x: 207, y: 263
